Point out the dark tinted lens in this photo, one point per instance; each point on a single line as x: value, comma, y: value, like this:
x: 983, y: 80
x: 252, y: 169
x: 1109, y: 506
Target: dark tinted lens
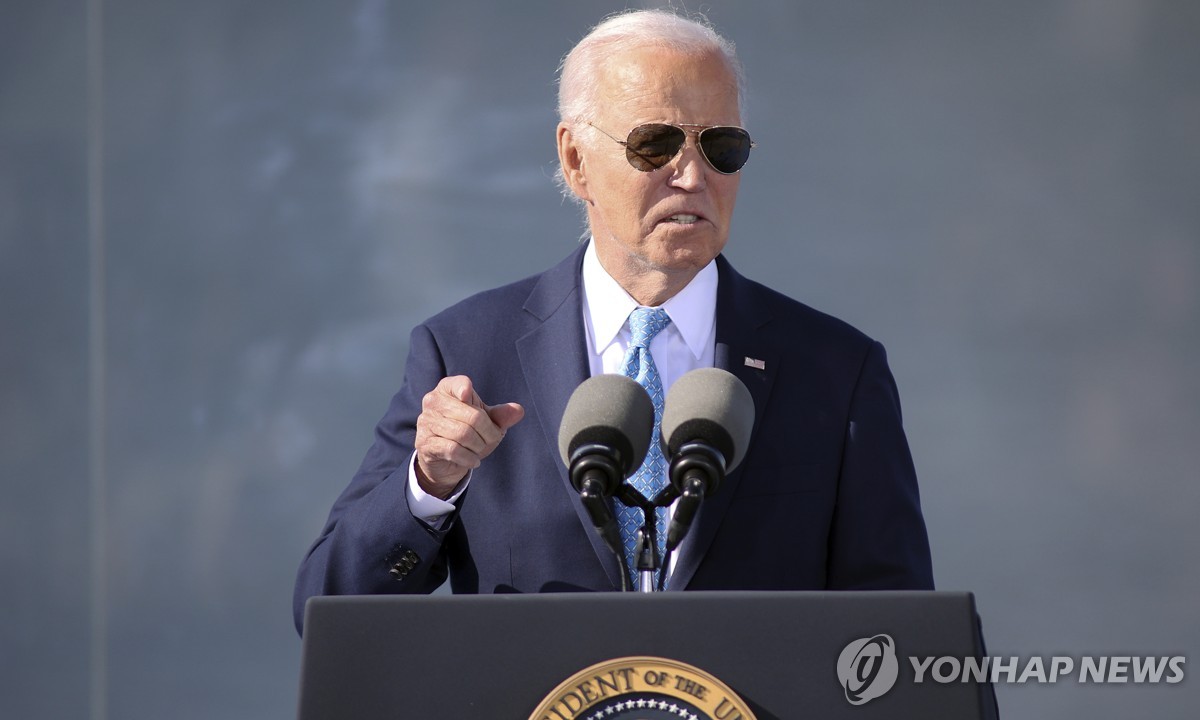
x: 727, y: 148
x: 649, y: 147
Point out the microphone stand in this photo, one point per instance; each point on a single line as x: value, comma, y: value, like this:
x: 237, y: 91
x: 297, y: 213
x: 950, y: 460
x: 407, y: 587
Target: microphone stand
x: 647, y: 555
x: 646, y: 549
x: 695, y: 472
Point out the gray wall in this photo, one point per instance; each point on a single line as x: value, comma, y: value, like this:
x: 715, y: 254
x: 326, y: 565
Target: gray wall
x: 219, y: 220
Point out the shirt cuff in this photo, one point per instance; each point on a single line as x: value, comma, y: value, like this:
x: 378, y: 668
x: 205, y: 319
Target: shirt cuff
x: 427, y: 508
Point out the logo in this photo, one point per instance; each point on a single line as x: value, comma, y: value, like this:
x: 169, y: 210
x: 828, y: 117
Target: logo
x: 1093, y: 669
x: 640, y: 688
x: 867, y: 668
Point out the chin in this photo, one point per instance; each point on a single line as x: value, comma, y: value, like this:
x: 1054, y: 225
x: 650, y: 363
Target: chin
x: 685, y: 260
x: 684, y: 252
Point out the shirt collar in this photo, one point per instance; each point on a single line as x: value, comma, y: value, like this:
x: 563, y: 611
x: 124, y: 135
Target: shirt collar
x: 692, y: 310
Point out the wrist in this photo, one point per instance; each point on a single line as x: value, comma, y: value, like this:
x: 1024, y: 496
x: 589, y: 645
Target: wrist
x: 441, y: 488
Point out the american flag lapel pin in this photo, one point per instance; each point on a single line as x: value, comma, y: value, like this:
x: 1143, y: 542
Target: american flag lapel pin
x: 756, y: 363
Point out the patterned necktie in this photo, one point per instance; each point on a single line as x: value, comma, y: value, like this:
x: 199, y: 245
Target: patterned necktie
x: 644, y: 324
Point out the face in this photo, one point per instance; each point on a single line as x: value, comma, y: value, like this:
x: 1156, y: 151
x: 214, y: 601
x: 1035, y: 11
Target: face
x: 654, y: 230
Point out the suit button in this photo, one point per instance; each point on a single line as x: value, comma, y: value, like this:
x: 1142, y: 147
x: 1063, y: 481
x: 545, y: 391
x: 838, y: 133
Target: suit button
x: 402, y: 560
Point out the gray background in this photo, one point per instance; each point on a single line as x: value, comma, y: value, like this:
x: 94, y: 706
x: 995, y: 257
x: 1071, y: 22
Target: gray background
x: 219, y: 220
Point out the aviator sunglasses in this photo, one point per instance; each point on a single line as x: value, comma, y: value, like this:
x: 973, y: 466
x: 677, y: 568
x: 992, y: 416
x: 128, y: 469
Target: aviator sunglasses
x: 651, y: 146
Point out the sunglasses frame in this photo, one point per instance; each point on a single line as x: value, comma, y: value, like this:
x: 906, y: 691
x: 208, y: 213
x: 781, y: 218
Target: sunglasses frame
x: 687, y: 129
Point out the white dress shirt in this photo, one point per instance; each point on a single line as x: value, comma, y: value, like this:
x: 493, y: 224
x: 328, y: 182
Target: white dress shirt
x: 689, y: 342
x: 686, y: 344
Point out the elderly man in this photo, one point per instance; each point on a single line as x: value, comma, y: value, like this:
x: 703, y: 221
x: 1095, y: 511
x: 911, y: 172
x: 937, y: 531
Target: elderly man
x: 826, y: 497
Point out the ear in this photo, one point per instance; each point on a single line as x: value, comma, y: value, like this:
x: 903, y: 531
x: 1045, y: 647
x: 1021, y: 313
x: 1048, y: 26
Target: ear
x: 570, y: 159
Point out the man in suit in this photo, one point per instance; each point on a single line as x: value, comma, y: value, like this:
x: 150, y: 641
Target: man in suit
x: 826, y: 497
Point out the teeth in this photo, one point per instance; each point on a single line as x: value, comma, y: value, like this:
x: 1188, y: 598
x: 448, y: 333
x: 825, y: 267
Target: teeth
x: 684, y: 219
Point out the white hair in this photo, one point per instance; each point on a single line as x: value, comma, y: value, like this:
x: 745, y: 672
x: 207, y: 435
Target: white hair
x: 622, y: 32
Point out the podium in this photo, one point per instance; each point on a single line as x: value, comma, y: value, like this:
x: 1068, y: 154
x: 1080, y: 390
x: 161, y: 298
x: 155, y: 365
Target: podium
x: 496, y: 657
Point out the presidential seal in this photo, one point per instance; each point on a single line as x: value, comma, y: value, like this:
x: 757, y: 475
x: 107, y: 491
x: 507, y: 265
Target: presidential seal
x: 642, y: 688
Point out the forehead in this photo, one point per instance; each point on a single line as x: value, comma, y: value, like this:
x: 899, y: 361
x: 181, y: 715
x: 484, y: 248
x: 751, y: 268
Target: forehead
x: 648, y: 84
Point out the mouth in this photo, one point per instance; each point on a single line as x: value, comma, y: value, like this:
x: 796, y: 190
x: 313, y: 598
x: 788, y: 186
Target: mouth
x: 681, y: 219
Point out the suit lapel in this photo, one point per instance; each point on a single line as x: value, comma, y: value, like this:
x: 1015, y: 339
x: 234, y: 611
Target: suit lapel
x: 554, y: 361
x: 742, y: 350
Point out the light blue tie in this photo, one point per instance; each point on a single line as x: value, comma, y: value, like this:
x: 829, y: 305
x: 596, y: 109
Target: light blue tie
x: 644, y: 324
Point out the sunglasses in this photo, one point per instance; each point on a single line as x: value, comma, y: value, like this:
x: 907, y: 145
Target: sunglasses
x: 651, y: 146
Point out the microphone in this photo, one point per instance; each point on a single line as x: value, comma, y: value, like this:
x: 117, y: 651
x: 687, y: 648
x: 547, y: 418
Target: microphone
x: 707, y: 420
x: 605, y: 431
x: 603, y: 439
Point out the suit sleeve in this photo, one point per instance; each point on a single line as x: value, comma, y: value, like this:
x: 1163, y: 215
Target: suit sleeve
x: 878, y: 539
x: 371, y: 543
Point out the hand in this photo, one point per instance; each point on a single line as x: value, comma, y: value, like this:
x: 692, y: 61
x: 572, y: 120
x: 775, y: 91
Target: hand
x: 455, y: 432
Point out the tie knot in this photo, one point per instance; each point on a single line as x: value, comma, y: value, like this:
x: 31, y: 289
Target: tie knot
x: 645, y: 323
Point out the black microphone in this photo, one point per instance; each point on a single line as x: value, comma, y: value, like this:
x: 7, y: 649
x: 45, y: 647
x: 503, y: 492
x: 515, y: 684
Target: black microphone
x: 707, y: 420
x: 606, y: 427
x: 602, y: 439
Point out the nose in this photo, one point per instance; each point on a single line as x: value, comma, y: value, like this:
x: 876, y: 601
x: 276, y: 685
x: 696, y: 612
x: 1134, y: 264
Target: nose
x: 689, y: 169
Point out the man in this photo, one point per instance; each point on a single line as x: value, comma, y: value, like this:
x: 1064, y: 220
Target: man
x: 826, y: 497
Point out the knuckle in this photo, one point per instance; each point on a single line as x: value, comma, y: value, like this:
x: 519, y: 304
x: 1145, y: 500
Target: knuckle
x: 477, y: 417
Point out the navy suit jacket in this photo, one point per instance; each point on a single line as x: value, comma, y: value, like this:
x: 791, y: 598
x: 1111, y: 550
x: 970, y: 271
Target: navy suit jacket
x: 825, y: 497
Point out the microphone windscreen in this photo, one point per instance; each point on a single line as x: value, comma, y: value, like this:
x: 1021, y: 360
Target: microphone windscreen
x: 609, y: 410
x: 712, y: 406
